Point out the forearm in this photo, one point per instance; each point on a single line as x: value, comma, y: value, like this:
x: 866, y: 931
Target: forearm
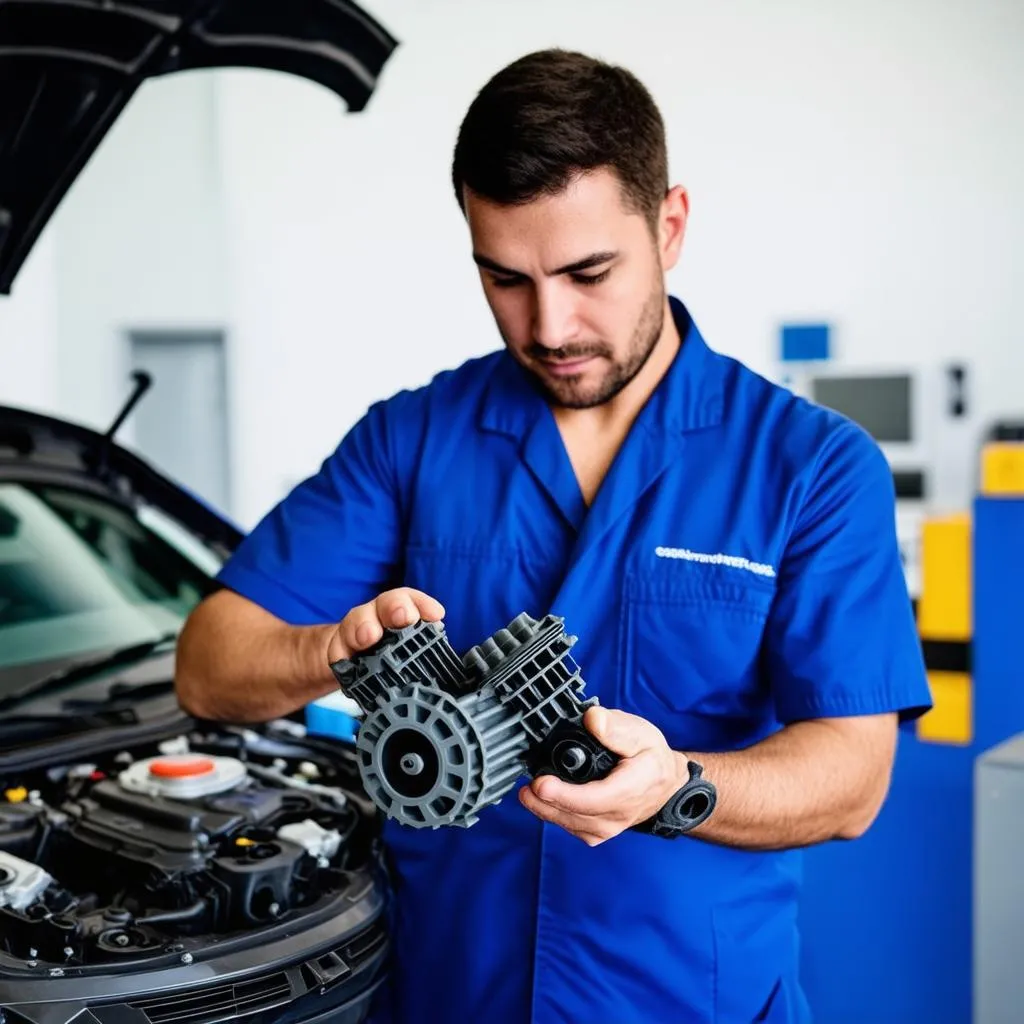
x: 238, y: 662
x: 810, y: 782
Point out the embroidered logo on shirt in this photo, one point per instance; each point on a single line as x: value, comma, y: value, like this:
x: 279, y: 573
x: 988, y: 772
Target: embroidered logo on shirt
x: 733, y: 561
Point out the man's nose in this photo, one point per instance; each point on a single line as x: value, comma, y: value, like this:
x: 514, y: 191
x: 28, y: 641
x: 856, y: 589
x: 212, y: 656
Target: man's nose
x: 554, y: 316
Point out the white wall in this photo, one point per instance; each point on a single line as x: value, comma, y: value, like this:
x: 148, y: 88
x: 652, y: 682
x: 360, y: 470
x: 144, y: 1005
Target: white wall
x: 857, y: 163
x: 28, y: 333
x: 139, y: 241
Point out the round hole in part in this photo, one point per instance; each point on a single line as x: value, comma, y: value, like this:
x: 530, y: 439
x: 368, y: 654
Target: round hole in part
x: 695, y: 805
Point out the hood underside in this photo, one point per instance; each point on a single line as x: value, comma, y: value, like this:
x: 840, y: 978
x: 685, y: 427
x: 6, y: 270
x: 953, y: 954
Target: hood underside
x: 69, y: 67
x: 33, y: 446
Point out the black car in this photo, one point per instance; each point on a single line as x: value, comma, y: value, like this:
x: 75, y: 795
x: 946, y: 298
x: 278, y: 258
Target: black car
x: 153, y: 868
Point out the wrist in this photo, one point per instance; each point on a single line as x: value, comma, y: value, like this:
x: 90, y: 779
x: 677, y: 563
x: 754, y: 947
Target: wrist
x: 691, y: 801
x: 321, y: 646
x: 681, y: 772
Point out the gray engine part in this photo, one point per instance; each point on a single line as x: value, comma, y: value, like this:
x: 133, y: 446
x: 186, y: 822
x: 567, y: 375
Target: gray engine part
x: 21, y: 882
x: 317, y: 841
x: 444, y: 737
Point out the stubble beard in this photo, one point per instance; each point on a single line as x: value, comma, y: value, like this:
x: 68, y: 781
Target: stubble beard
x: 572, y: 392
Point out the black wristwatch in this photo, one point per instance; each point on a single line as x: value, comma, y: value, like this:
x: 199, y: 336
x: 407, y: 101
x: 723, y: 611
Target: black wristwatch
x: 688, y: 807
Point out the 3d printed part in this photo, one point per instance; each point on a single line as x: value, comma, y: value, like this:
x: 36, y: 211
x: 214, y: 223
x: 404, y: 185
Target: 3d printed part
x: 445, y: 736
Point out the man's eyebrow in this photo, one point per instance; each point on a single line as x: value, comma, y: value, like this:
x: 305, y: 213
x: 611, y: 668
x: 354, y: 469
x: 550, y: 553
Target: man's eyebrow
x: 489, y: 264
x: 595, y: 259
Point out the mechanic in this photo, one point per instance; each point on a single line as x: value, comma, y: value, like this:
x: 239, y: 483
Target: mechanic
x: 724, y: 550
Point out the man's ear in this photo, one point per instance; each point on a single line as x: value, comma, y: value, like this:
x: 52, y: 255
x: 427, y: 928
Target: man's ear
x: 675, y: 209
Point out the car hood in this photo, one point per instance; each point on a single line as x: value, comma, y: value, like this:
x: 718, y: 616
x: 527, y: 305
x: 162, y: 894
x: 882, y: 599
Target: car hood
x: 33, y: 446
x: 69, y: 67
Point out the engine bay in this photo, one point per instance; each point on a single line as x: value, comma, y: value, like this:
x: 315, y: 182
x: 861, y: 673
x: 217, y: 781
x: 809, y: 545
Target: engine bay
x: 204, y: 836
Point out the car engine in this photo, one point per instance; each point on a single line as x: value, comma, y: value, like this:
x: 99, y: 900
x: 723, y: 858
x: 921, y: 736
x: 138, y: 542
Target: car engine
x: 205, y: 835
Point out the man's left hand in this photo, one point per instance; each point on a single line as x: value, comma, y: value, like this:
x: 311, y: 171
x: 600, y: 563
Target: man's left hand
x: 639, y: 785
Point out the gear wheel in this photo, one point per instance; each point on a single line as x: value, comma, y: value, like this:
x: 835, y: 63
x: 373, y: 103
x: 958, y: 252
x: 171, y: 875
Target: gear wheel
x: 429, y: 758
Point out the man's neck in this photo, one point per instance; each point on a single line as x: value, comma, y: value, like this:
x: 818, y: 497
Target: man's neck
x: 593, y: 437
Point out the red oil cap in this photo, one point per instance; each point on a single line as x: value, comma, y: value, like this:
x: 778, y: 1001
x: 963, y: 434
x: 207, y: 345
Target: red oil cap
x: 180, y: 767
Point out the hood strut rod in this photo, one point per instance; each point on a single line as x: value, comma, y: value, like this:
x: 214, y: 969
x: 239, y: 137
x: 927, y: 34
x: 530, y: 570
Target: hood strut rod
x: 142, y: 384
x: 143, y: 381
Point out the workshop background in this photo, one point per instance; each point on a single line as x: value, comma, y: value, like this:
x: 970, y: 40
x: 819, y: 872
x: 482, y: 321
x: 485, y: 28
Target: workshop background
x: 856, y: 175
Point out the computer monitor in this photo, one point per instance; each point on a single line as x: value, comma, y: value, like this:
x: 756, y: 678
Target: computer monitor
x: 882, y: 405
x: 890, y: 407
x: 898, y: 406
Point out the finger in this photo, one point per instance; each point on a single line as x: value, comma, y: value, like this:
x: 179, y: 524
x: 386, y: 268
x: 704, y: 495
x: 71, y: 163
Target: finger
x: 396, y: 608
x: 361, y: 628
x: 404, y: 606
x: 622, y: 789
x: 621, y: 732
x: 429, y: 607
x: 589, y: 831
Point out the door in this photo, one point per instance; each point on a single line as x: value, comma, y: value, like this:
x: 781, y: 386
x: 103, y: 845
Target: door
x: 180, y: 425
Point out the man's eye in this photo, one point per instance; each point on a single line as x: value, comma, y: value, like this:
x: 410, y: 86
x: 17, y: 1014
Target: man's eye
x: 591, y: 279
x: 506, y: 282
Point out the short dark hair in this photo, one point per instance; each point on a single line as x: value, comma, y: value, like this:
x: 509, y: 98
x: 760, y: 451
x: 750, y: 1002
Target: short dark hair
x: 554, y: 114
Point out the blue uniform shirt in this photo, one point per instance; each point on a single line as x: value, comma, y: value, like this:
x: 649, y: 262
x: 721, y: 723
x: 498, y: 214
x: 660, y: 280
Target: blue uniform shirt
x: 737, y: 570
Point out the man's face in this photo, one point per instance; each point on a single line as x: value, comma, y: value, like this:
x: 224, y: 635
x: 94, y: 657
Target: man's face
x: 576, y: 285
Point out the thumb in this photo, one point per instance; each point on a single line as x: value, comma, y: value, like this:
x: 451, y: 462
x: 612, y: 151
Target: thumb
x: 622, y: 733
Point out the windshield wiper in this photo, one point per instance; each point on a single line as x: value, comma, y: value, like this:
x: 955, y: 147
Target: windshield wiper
x: 118, y: 696
x: 39, y: 726
x: 90, y: 666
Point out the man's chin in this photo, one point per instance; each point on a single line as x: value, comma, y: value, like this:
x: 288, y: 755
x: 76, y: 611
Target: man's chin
x: 583, y: 390
x: 573, y: 394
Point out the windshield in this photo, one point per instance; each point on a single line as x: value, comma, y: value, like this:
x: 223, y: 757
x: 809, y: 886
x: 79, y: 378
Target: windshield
x: 80, y: 575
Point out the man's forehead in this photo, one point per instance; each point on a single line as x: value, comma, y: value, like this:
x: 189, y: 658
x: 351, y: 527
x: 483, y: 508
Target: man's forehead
x: 555, y: 231
x: 598, y: 192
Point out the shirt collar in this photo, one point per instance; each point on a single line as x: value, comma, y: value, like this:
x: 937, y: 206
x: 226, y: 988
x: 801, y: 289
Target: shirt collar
x: 690, y: 396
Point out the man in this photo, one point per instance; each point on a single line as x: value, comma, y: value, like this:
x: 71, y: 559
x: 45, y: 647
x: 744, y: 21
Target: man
x: 725, y: 552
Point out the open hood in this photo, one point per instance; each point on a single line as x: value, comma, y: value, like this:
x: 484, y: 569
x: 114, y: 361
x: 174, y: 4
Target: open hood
x: 37, y: 447
x: 69, y: 67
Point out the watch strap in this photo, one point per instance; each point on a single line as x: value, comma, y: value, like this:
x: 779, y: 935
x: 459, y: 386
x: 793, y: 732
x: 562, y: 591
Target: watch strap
x: 688, y: 807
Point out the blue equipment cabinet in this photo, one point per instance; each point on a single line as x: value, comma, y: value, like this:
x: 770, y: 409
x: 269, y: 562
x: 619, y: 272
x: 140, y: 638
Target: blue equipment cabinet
x: 886, y: 920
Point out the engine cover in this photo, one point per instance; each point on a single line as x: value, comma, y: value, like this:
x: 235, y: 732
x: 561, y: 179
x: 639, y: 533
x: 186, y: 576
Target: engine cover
x: 111, y: 861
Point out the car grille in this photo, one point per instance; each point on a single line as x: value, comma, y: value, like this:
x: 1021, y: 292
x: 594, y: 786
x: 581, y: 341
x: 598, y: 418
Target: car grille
x: 364, y: 945
x: 218, y: 1003
x: 264, y: 992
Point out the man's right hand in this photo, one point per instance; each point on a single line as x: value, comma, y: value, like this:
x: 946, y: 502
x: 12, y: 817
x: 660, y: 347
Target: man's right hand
x: 237, y: 661
x: 364, y: 625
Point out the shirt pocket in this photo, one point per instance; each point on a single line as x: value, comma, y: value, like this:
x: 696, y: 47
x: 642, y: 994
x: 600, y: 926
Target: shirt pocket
x: 691, y: 649
x: 480, y: 585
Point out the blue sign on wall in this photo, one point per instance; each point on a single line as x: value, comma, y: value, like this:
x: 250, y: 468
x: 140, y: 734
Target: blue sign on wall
x: 804, y: 342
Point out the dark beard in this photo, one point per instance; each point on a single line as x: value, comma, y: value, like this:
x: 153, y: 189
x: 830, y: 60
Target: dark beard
x: 568, y: 394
